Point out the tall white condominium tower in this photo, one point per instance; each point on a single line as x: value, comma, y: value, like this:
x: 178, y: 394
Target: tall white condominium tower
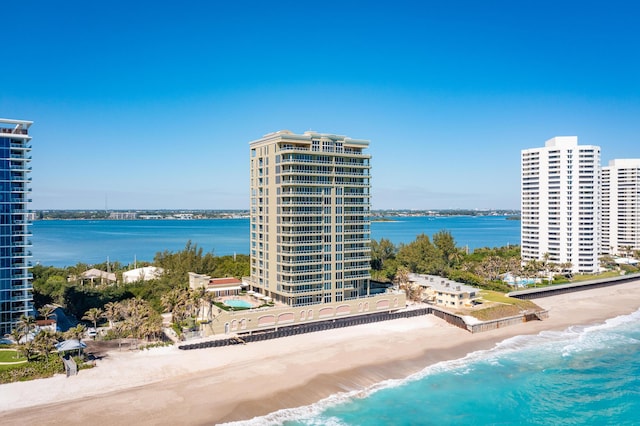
x: 621, y: 207
x: 15, y: 279
x: 560, y: 201
x: 310, y: 217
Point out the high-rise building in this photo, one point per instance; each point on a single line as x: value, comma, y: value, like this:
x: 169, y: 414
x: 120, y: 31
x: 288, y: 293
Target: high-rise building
x: 310, y: 217
x: 621, y: 207
x: 15, y: 279
x: 560, y: 204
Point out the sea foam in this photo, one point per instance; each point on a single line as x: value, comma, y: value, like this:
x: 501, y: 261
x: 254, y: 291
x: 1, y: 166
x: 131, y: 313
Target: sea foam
x: 524, y: 352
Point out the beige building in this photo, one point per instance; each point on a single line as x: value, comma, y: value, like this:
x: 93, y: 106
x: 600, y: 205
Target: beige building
x: 444, y: 292
x: 96, y: 276
x: 310, y: 227
x: 228, y: 286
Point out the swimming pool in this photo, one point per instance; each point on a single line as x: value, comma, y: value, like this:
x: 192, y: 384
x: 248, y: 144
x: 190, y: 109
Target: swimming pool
x: 235, y: 303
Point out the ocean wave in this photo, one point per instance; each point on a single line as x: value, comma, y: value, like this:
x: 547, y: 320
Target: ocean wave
x: 522, y: 348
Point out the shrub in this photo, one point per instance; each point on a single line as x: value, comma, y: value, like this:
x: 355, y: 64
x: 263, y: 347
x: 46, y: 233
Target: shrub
x: 33, y: 370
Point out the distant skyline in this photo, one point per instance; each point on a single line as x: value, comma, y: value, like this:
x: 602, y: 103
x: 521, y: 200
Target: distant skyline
x: 141, y: 105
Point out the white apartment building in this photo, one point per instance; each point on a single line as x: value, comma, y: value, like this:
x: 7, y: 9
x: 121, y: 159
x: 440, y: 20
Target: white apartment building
x: 560, y: 204
x: 310, y: 218
x: 621, y: 207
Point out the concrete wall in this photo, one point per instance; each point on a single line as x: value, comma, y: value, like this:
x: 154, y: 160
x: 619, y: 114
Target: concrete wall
x: 228, y: 322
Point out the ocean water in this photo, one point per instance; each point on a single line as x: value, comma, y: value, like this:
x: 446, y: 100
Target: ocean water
x: 68, y: 242
x: 585, y: 375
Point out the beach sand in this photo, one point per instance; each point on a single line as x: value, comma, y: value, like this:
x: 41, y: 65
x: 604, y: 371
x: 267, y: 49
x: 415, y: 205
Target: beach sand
x: 216, y: 385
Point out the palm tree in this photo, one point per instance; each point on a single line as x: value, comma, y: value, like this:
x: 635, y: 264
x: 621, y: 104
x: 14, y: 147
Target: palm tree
x: 28, y: 349
x: 112, y: 312
x: 45, y: 342
x: 170, y: 301
x: 209, y: 297
x: 76, y: 333
x: 26, y: 323
x: 93, y: 315
x: 47, y: 311
x: 16, y: 335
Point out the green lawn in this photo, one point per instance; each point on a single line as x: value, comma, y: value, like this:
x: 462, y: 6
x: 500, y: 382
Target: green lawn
x: 608, y: 274
x: 502, y: 306
x: 10, y: 355
x: 495, y: 296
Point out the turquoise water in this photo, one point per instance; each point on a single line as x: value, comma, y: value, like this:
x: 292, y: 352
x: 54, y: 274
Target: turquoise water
x: 238, y: 303
x: 580, y: 376
x: 67, y: 242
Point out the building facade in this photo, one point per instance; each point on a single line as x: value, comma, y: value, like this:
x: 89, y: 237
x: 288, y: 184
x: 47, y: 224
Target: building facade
x: 444, y: 292
x: 310, y: 218
x: 621, y: 207
x: 16, y: 298
x: 560, y: 204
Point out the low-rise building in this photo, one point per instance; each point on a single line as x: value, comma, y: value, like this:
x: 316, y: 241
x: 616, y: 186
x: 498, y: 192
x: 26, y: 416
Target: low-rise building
x: 142, y: 274
x: 96, y: 276
x: 444, y: 292
x: 228, y: 286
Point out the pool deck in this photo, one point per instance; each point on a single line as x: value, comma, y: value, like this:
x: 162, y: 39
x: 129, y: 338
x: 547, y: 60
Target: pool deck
x: 249, y: 299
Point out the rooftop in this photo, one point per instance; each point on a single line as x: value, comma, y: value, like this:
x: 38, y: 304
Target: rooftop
x: 441, y: 284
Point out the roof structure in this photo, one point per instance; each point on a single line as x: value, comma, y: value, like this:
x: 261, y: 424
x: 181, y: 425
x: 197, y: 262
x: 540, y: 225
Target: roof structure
x: 441, y: 284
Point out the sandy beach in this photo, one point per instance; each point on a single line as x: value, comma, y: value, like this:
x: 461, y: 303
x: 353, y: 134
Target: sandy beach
x: 217, y: 385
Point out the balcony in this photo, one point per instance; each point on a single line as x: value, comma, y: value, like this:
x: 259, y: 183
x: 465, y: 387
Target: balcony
x: 301, y: 262
x: 22, y: 298
x: 300, y: 291
x: 295, y: 160
x: 316, y: 241
x: 301, y: 222
x: 317, y: 270
x: 301, y: 203
x: 301, y: 232
x: 22, y: 286
x: 293, y: 252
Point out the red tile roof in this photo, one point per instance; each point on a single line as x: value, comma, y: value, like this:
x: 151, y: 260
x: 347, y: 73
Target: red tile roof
x: 224, y: 281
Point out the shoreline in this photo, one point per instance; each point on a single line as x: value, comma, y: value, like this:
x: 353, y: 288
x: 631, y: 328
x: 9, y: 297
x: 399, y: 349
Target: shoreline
x: 233, y: 383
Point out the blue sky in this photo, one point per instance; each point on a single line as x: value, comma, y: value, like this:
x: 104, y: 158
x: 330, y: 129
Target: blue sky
x: 148, y: 105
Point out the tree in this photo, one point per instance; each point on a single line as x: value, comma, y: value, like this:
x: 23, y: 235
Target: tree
x: 112, y: 312
x: 47, y: 311
x: 45, y: 342
x: 93, y: 315
x: 420, y: 256
x: 381, y: 252
x: 446, y: 245
x: 412, y: 290
x: 27, y: 325
x: 76, y: 333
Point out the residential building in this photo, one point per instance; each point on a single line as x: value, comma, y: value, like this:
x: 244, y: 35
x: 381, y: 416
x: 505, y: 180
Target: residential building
x: 310, y: 218
x: 621, y: 207
x: 146, y: 273
x: 123, y: 215
x: 95, y: 276
x: 445, y: 292
x: 560, y: 204
x: 16, y: 298
x: 227, y: 286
